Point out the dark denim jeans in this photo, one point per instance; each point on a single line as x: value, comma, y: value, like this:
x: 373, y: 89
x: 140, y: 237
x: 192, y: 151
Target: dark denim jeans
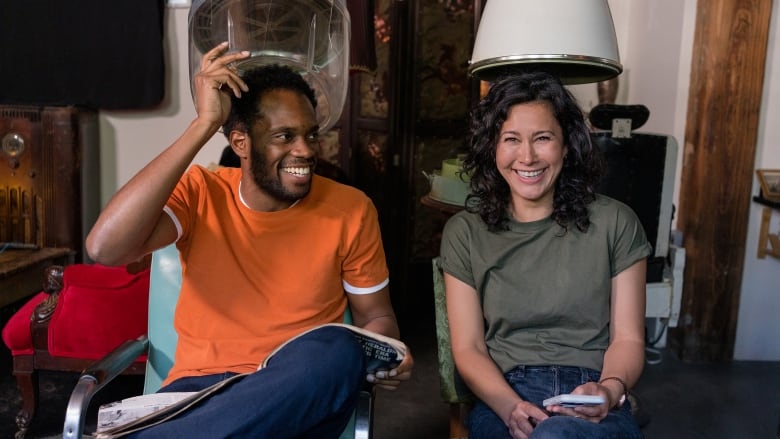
x: 308, y: 390
x: 537, y: 383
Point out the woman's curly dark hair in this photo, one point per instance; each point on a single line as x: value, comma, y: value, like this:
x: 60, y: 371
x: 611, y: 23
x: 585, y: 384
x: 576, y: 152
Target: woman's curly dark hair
x: 582, y: 165
x: 244, y: 111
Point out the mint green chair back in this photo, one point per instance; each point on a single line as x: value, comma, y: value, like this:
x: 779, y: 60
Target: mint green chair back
x: 164, y: 286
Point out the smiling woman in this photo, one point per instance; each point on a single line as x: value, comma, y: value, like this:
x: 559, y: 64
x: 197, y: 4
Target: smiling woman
x: 534, y: 231
x: 529, y: 155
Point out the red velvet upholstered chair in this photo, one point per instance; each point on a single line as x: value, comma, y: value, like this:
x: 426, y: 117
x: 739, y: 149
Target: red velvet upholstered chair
x: 83, y: 312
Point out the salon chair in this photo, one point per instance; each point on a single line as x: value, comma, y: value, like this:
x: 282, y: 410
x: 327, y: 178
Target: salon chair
x: 158, y: 345
x: 451, y: 387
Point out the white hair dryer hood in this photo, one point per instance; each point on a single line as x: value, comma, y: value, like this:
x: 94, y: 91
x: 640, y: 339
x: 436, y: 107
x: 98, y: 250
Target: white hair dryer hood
x: 574, y: 39
x: 309, y: 36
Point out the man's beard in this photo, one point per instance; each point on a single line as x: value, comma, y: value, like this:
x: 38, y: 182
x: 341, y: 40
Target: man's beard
x: 272, y: 184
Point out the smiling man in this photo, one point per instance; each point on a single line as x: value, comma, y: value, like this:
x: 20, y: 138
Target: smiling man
x: 268, y: 250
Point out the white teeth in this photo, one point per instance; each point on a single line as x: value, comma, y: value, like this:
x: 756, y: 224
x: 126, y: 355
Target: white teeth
x: 530, y: 174
x: 298, y: 171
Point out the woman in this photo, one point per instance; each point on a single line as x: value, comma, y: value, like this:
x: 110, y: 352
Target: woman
x: 545, y: 279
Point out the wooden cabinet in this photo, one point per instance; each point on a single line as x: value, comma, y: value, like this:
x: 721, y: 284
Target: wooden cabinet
x: 49, y: 191
x: 405, y: 118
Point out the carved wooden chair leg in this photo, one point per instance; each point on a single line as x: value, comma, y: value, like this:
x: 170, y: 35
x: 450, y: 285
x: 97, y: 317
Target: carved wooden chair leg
x: 458, y: 413
x: 24, y: 365
x: 27, y: 381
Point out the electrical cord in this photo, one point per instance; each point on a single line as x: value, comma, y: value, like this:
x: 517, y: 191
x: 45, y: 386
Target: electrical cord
x: 653, y: 355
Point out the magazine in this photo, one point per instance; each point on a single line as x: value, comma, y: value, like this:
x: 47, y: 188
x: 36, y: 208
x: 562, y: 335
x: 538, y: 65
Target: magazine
x: 382, y: 352
x: 129, y: 415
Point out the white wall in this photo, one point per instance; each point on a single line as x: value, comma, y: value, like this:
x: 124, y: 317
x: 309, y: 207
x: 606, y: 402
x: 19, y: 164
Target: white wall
x: 658, y: 38
x: 758, y: 325
x: 130, y: 139
x: 655, y: 40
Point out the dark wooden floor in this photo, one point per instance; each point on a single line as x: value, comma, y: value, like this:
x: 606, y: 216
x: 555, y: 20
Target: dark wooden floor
x: 733, y: 400
x: 718, y: 401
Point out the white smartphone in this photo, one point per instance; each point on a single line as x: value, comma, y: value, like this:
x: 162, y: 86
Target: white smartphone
x: 569, y: 400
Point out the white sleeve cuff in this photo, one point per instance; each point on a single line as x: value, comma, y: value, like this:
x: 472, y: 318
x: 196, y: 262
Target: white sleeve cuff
x: 175, y: 220
x: 351, y: 289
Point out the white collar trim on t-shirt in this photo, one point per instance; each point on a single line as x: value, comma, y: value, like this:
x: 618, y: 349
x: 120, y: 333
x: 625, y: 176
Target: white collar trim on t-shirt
x: 243, y: 201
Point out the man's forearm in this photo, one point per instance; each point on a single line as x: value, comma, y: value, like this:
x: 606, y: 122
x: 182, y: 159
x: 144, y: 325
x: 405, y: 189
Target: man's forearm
x: 385, y: 325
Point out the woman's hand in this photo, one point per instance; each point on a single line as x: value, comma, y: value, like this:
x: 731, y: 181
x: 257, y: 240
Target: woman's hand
x: 594, y: 413
x: 523, y: 419
x: 216, y: 78
x: 390, y: 380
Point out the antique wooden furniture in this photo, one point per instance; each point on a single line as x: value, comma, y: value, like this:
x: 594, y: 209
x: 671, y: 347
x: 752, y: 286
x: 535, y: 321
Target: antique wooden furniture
x: 83, y: 312
x: 49, y: 197
x: 49, y: 191
x: 768, y: 243
x: 21, y: 269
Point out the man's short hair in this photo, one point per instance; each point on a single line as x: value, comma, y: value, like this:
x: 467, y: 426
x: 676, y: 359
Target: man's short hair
x: 244, y: 110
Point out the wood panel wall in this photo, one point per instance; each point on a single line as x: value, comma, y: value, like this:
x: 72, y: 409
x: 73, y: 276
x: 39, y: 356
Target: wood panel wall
x: 724, y: 101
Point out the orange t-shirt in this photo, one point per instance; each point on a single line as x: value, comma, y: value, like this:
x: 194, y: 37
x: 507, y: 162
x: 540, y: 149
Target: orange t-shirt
x: 251, y: 280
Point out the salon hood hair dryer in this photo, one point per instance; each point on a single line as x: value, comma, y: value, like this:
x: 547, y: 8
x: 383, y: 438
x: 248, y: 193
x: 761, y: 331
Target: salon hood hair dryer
x: 309, y: 36
x: 574, y: 40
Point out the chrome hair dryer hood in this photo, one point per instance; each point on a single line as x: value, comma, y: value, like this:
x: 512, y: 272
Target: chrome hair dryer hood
x: 309, y: 36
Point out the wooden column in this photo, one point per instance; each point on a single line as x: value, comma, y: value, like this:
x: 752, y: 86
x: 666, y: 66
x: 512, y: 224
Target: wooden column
x: 724, y: 102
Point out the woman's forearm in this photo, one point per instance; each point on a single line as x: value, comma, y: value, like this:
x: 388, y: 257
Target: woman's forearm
x: 486, y: 381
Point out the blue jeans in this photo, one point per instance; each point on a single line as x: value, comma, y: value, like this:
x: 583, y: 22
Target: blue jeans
x: 308, y: 389
x: 537, y: 383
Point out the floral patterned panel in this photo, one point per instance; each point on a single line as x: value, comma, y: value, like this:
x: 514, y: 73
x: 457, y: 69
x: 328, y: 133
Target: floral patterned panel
x: 445, y: 40
x: 371, y: 165
x: 373, y: 86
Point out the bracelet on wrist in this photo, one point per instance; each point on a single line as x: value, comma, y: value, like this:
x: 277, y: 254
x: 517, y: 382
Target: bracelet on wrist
x: 625, y: 390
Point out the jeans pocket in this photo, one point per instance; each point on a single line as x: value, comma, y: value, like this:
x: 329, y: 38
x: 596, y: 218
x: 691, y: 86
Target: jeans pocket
x: 515, y: 374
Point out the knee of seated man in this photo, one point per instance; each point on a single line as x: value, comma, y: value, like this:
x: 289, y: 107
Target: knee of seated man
x: 342, y: 354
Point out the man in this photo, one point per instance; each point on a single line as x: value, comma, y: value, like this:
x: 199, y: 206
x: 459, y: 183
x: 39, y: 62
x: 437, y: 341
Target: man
x: 267, y: 251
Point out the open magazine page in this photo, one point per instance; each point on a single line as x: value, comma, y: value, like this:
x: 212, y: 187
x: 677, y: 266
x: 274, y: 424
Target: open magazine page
x: 181, y: 401
x: 121, y: 412
x: 127, y: 416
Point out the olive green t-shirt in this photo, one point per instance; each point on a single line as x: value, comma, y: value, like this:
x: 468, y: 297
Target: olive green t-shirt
x: 545, y: 294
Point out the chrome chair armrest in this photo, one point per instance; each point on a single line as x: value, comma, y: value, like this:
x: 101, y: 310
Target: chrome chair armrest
x: 94, y: 378
x: 364, y: 414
